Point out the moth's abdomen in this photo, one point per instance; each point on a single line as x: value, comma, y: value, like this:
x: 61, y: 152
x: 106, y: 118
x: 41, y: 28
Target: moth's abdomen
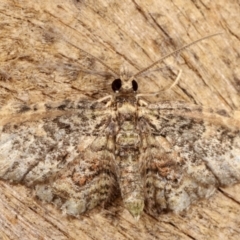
x: 129, y: 169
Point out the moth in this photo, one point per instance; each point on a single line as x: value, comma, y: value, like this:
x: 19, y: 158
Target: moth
x: 158, y: 157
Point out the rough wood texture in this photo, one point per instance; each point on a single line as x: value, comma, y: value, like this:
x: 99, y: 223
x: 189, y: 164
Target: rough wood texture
x: 38, y: 64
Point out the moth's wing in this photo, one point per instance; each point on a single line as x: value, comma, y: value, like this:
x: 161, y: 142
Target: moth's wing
x: 189, y: 153
x: 61, y: 152
x: 87, y: 181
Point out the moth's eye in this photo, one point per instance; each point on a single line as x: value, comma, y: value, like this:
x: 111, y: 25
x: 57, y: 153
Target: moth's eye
x: 134, y: 85
x: 116, y: 85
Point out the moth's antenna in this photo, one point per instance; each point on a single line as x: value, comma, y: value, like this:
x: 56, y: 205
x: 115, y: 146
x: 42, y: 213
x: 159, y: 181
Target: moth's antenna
x: 89, y: 54
x: 174, y: 52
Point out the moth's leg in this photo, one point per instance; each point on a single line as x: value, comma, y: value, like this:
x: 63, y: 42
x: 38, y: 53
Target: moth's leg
x: 104, y: 98
x: 165, y: 89
x: 175, y: 81
x: 109, y: 103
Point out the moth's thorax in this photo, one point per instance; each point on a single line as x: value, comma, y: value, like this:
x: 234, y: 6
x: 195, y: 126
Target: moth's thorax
x: 127, y: 136
x: 126, y: 108
x: 123, y: 97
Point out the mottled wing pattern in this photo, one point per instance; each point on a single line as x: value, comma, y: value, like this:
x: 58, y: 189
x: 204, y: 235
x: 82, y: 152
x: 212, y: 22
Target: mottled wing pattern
x: 189, y: 153
x: 63, y: 153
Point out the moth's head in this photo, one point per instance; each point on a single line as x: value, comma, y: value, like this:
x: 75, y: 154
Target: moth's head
x: 124, y: 84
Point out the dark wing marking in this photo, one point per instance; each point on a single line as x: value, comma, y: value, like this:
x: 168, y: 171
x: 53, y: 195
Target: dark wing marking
x: 63, y: 152
x: 190, y: 152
